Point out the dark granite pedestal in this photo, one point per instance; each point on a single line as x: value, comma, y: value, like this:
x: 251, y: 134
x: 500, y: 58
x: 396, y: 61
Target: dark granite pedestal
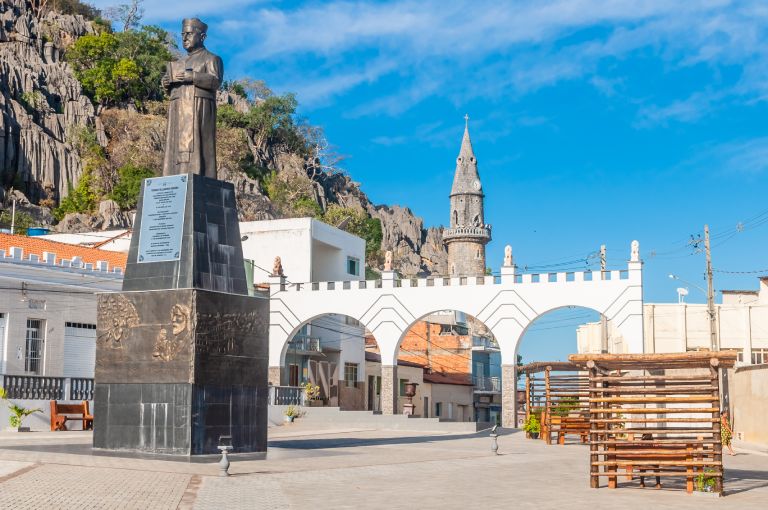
x: 182, y: 352
x: 177, y: 369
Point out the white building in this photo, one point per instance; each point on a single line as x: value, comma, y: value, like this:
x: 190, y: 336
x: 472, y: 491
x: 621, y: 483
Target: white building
x: 329, y: 351
x: 741, y: 320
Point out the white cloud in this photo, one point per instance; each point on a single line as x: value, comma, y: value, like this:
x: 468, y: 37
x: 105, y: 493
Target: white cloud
x: 466, y: 49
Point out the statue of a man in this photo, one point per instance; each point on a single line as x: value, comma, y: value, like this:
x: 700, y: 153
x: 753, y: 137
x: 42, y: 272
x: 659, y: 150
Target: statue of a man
x: 192, y: 83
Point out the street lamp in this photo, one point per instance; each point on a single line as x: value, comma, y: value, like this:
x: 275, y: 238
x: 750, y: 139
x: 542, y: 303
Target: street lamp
x: 675, y: 277
x: 710, y: 311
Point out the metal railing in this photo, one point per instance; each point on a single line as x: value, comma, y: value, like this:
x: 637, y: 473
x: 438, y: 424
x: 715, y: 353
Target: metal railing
x: 484, y: 342
x: 80, y: 389
x: 286, y: 395
x: 32, y: 387
x: 304, y: 343
x: 489, y: 384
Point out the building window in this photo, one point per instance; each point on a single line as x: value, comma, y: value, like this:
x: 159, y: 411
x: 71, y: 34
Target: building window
x: 34, y: 345
x: 349, y: 321
x: 350, y: 374
x: 79, y: 325
x: 353, y: 266
x: 403, y: 382
x: 759, y: 356
x: 438, y: 409
x: 739, y: 353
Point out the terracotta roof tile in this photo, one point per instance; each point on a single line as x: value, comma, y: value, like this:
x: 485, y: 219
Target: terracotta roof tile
x: 35, y: 245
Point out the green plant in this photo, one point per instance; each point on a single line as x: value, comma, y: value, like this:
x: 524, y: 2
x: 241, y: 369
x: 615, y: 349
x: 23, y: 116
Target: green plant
x: 292, y: 412
x: 80, y: 199
x: 705, y: 482
x: 18, y: 413
x: 532, y: 424
x: 126, y: 191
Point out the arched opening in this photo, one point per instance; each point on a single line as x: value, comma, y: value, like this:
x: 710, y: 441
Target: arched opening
x: 327, y: 359
x: 552, y: 337
x: 456, y: 361
x: 555, y: 334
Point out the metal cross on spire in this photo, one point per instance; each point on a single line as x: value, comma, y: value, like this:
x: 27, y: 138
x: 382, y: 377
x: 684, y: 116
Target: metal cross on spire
x: 466, y: 120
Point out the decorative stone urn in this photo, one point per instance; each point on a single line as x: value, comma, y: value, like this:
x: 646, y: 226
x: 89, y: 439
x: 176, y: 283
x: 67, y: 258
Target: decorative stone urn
x: 410, y: 392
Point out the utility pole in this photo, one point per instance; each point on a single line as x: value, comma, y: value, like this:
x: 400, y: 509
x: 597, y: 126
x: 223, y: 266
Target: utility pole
x: 13, y: 215
x: 603, y: 321
x: 714, y: 344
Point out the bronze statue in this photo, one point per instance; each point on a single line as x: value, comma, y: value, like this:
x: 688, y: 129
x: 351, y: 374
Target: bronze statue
x: 192, y: 83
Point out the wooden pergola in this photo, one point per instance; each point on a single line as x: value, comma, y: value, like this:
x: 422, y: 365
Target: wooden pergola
x: 560, y: 398
x: 658, y: 414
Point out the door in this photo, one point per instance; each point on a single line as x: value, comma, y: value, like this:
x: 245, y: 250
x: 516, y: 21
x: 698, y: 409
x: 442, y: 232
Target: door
x: 79, y: 349
x: 293, y: 375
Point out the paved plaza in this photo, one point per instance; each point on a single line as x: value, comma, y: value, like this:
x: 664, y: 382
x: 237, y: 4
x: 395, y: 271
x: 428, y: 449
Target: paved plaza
x: 345, y: 469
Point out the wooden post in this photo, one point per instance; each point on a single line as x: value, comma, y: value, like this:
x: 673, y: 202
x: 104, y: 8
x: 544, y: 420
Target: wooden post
x: 548, y: 407
x: 527, y: 401
x: 594, y: 480
x: 689, y: 469
x: 716, y: 427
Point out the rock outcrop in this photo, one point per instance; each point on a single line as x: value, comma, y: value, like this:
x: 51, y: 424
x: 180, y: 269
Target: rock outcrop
x: 40, y: 100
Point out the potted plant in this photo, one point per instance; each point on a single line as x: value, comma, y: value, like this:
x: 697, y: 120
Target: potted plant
x: 312, y: 394
x: 532, y: 426
x: 18, y: 413
x: 291, y: 413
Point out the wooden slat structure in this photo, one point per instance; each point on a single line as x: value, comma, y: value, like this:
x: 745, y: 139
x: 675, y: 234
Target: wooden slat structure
x: 655, y: 415
x: 559, y: 392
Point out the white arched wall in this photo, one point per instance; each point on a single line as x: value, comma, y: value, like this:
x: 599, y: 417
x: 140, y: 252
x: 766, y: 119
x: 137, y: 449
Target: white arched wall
x: 506, y: 305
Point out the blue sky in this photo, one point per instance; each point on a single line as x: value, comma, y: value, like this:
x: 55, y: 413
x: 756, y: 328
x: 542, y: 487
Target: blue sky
x: 594, y: 122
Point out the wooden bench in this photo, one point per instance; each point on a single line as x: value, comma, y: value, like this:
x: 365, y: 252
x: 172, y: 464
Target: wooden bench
x: 573, y: 425
x: 62, y: 413
x: 651, y: 458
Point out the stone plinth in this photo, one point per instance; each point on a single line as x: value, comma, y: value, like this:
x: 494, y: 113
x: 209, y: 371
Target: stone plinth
x: 177, y: 369
x: 211, y: 254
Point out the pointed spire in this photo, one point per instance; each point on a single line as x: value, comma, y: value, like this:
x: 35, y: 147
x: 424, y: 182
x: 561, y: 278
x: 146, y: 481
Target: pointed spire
x: 466, y: 178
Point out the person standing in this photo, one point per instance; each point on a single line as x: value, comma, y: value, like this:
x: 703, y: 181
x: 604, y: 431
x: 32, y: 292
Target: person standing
x: 726, y: 433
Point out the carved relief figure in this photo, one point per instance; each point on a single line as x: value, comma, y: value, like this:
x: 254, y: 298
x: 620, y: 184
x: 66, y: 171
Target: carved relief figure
x: 192, y: 83
x: 508, y: 256
x: 169, y: 345
x: 120, y: 315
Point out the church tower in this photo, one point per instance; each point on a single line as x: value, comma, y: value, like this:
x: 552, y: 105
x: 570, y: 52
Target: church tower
x: 468, y: 234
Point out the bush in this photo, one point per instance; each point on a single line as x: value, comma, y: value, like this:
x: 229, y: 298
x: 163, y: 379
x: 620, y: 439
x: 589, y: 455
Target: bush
x: 80, y: 199
x: 126, y: 191
x: 76, y: 7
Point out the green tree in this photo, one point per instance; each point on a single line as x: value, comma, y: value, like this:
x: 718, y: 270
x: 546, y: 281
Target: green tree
x: 117, y: 68
x: 21, y: 222
x: 126, y: 191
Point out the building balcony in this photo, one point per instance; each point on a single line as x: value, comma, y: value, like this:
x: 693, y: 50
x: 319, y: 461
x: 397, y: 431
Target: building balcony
x: 301, y: 344
x: 482, y: 232
x: 483, y: 343
x: 485, y: 384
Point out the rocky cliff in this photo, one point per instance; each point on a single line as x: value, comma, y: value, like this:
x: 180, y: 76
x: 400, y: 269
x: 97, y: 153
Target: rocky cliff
x: 40, y: 100
x: 42, y: 103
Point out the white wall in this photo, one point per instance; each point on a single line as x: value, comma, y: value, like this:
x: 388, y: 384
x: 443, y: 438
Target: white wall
x: 309, y: 249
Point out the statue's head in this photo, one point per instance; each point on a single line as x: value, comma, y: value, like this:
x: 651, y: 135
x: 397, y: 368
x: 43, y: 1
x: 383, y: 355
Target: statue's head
x: 193, y: 33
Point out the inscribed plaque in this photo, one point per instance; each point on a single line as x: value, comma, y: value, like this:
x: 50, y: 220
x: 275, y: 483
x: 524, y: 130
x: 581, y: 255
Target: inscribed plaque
x: 162, y: 218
